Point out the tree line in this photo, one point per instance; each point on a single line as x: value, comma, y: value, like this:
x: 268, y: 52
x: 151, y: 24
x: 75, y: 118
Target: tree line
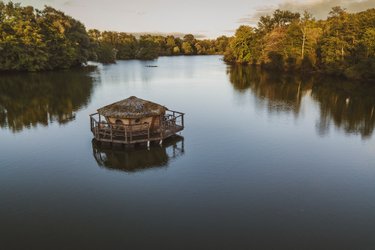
x: 110, y: 46
x: 343, y: 44
x: 36, y: 40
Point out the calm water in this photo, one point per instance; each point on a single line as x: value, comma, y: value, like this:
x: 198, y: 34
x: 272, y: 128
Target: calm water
x: 265, y: 162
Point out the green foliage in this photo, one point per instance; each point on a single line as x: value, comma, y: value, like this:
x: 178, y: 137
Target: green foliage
x: 344, y: 44
x: 106, y: 54
x: 368, y: 42
x: 243, y: 47
x: 187, y: 48
x: 188, y: 45
x: 149, y: 47
x: 34, y: 40
x: 176, y: 50
x: 171, y: 44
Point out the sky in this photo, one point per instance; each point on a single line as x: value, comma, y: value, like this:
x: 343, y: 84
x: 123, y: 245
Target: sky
x: 203, y: 18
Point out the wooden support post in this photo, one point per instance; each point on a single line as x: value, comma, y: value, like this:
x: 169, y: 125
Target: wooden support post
x: 131, y: 134
x: 110, y: 126
x: 126, y: 136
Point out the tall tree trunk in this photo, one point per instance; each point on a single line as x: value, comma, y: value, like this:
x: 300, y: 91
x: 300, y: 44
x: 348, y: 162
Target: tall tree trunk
x: 303, y: 44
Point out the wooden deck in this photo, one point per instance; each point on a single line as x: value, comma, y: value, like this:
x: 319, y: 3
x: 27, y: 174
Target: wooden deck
x: 172, y: 123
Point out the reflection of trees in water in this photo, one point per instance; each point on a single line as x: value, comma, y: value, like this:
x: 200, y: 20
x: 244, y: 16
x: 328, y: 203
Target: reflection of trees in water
x: 349, y: 105
x: 282, y: 93
x: 138, y: 158
x: 27, y: 100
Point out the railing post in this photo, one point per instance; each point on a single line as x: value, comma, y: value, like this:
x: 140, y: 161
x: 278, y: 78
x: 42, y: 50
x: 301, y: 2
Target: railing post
x: 126, y: 136
x: 96, y: 131
x: 148, y: 133
x: 162, y: 129
x: 131, y: 133
x: 110, y: 127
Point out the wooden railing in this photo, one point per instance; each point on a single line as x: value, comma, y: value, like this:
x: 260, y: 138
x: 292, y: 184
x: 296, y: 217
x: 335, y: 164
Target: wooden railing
x: 104, y: 131
x: 173, y: 119
x: 171, y: 123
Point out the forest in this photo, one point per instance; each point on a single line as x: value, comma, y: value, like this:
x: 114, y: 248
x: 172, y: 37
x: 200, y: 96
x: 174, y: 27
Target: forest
x: 342, y: 45
x: 37, y: 40
x: 48, y: 39
x: 110, y: 46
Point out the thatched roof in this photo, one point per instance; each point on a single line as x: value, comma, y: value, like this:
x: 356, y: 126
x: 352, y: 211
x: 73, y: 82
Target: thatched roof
x: 132, y: 107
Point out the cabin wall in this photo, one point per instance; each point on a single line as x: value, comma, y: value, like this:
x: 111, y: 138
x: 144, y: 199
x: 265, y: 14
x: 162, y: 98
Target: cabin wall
x: 153, y: 120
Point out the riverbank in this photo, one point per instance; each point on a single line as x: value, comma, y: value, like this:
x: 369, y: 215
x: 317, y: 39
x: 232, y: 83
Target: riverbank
x: 341, y: 45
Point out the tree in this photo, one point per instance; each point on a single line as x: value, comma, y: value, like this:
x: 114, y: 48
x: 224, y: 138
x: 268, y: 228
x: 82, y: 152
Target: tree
x: 176, y: 50
x: 66, y: 38
x: 171, y: 44
x: 221, y: 43
x: 187, y: 48
x: 188, y: 44
x: 243, y: 46
x: 283, y: 18
x: 147, y: 48
x: 344, y: 44
x: 21, y: 39
x: 368, y: 42
x: 33, y: 40
x: 305, y: 24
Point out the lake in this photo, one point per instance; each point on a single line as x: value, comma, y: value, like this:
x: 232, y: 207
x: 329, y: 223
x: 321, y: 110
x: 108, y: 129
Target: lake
x: 265, y: 161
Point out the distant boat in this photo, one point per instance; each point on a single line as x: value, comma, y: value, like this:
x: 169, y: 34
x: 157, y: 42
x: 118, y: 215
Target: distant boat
x: 151, y: 66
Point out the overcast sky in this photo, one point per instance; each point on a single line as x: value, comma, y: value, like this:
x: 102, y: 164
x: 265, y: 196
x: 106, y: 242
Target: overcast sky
x: 210, y: 18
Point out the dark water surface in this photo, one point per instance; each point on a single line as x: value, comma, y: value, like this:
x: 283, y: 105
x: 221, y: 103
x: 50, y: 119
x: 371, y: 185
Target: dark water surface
x: 265, y: 162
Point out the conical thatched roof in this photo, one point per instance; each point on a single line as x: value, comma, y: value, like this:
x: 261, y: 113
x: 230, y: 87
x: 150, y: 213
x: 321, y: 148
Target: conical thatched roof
x: 132, y: 107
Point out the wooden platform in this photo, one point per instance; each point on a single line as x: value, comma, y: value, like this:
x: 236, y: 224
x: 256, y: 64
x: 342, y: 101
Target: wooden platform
x: 172, y: 123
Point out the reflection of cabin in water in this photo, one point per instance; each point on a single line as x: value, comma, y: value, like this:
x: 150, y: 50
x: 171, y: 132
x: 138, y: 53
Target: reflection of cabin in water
x: 134, y: 120
x: 138, y: 158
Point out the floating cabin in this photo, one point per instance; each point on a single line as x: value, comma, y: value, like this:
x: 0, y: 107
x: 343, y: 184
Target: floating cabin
x: 134, y: 120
